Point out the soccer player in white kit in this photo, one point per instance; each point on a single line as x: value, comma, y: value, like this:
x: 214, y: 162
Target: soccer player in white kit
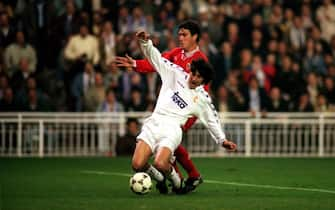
x: 182, y: 95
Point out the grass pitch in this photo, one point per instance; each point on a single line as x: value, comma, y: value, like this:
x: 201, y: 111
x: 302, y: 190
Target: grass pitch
x: 230, y: 184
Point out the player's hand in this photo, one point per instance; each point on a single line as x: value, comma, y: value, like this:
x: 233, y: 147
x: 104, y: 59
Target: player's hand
x: 229, y: 146
x: 127, y: 61
x: 142, y: 35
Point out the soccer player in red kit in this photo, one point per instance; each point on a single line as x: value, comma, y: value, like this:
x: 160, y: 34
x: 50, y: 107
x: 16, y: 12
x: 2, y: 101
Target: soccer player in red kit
x: 188, y: 50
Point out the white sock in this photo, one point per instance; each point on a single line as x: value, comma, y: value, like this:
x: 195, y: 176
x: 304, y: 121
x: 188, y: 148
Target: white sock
x: 175, y: 179
x: 155, y: 174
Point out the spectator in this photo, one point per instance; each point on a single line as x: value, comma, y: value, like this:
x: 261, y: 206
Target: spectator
x: 136, y: 20
x: 329, y: 91
x: 127, y: 82
x: 297, y: 34
x: 332, y: 47
x: 18, y: 50
x: 97, y: 23
x: 154, y: 84
x: 7, y: 31
x: 110, y: 104
x: 263, y: 75
x: 21, y: 75
x: 293, y: 84
x: 81, y: 84
x: 35, y: 103
x: 306, y: 16
x: 21, y: 96
x: 221, y: 99
x: 95, y: 94
x: 126, y: 144
x: 224, y: 62
x: 303, y: 104
x: 287, y: 23
x: 315, y: 34
x: 65, y: 24
x: 276, y: 102
x: 313, y: 60
x: 112, y: 76
x: 207, y: 46
x: 123, y: 17
x: 82, y: 47
x: 256, y: 98
x: 7, y: 103
x: 236, y: 100
x: 325, y: 15
x: 312, y: 88
x: 322, y: 104
x: 233, y: 37
x: 4, y: 83
x: 137, y: 102
x: 108, y: 41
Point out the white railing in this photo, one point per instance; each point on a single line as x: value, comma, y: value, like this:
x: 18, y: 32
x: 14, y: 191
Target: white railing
x: 95, y: 134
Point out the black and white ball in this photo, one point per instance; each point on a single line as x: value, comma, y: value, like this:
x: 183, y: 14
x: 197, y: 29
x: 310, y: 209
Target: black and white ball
x: 140, y: 183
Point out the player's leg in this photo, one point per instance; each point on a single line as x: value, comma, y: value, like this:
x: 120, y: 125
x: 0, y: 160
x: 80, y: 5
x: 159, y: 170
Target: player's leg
x: 194, y: 178
x: 185, y: 161
x: 162, y: 163
x: 141, y: 156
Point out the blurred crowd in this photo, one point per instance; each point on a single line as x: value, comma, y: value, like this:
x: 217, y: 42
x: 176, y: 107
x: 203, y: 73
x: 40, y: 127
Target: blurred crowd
x: 269, y: 55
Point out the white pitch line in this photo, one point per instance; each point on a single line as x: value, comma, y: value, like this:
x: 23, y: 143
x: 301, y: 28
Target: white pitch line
x: 226, y: 183
x: 271, y: 186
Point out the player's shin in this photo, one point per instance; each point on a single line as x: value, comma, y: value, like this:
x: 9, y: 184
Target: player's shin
x: 175, y: 179
x: 155, y: 174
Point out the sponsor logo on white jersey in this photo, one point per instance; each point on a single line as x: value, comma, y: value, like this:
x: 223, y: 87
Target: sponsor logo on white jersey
x: 179, y: 100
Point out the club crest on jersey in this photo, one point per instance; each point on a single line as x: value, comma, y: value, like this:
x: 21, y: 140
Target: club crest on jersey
x: 195, y: 99
x: 178, y: 100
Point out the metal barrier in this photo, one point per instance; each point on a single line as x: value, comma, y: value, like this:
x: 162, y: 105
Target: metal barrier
x: 95, y: 134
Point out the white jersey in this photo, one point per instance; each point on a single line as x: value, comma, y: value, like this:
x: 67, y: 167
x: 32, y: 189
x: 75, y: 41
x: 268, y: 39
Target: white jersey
x: 176, y: 101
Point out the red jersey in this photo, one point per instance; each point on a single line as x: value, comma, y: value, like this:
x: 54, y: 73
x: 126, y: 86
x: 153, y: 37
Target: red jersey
x: 177, y: 56
x: 181, y: 58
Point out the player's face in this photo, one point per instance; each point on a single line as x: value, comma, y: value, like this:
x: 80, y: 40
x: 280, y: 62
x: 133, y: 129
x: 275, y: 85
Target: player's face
x: 186, y: 40
x: 195, y: 80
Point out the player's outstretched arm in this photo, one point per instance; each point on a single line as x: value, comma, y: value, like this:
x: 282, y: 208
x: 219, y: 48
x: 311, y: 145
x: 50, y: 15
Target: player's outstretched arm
x: 163, y: 66
x: 127, y: 61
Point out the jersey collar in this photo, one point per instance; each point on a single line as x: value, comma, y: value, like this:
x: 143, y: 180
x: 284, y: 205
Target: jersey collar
x: 191, y: 53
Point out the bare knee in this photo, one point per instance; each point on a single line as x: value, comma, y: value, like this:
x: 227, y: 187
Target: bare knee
x: 141, y: 156
x: 162, y: 165
x: 138, y: 165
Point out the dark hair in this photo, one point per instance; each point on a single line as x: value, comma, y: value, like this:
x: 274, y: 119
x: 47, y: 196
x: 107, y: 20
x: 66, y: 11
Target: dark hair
x: 205, y: 70
x: 192, y: 26
x: 109, y: 90
x: 131, y: 120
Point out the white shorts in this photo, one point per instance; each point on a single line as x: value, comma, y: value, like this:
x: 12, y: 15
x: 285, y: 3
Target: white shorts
x: 159, y: 133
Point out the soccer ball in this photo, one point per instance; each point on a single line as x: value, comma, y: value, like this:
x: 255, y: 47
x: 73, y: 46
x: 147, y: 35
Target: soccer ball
x: 140, y: 183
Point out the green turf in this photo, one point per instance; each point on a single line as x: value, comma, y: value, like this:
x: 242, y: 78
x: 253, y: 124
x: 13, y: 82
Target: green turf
x: 59, y: 183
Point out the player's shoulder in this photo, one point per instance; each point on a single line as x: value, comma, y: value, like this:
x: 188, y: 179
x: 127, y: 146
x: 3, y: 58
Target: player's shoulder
x: 173, y: 65
x: 203, y: 94
x: 200, y: 55
x: 176, y: 50
x: 172, y: 52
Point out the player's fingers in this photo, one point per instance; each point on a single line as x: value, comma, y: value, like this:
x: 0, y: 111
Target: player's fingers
x: 120, y: 59
x: 129, y: 58
x: 232, y: 147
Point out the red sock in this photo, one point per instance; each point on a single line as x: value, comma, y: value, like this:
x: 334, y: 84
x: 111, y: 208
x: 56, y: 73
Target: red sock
x: 185, y: 161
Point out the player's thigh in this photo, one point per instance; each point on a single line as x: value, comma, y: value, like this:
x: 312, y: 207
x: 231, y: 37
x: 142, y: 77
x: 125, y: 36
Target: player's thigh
x: 141, y: 155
